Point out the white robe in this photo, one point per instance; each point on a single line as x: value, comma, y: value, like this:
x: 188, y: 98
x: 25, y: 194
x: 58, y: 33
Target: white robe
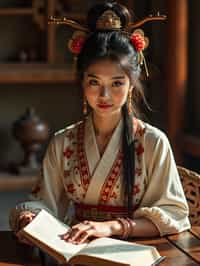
x: 74, y: 171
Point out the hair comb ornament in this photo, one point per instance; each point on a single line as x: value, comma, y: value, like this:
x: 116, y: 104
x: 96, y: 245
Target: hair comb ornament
x: 137, y: 24
x: 108, y: 21
x: 71, y: 23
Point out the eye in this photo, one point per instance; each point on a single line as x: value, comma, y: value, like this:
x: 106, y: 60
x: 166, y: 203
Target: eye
x: 93, y: 82
x: 117, y: 83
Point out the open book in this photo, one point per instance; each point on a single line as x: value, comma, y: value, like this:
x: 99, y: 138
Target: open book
x: 45, y: 231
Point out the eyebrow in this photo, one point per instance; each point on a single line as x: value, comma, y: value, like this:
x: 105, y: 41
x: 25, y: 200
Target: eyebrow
x: 116, y: 77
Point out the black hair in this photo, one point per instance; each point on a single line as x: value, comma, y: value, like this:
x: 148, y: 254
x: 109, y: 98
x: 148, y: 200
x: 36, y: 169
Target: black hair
x: 116, y: 46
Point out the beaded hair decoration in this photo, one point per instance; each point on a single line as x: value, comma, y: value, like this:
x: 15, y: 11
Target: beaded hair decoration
x: 109, y: 20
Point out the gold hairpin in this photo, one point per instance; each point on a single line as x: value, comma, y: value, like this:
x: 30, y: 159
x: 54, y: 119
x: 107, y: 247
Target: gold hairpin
x: 68, y: 22
x: 107, y: 21
x: 137, y: 24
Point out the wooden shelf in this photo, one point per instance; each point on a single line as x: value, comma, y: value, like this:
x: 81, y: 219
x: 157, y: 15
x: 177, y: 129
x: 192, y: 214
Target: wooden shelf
x: 191, y: 145
x: 48, y: 71
x: 10, y: 182
x: 35, y: 73
x: 15, y: 11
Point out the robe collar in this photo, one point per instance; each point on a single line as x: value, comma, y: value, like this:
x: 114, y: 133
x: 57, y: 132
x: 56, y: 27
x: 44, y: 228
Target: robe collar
x: 99, y: 167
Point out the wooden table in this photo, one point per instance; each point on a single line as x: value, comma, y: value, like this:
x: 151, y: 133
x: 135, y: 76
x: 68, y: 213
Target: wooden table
x: 180, y: 250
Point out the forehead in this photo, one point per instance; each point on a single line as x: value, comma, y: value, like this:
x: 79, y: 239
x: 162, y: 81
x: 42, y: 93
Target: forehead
x: 105, y: 68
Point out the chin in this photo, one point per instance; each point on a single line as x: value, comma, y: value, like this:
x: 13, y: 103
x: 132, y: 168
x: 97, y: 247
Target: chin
x: 107, y: 113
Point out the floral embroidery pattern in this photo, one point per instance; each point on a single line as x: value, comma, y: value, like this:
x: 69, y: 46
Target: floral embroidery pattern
x: 68, y: 152
x: 85, y: 181
x: 111, y: 179
x: 136, y: 189
x: 139, y: 131
x: 139, y: 149
x: 113, y: 195
x: 82, y: 159
x: 79, y: 175
x: 138, y: 171
x: 70, y: 188
x: 69, y: 162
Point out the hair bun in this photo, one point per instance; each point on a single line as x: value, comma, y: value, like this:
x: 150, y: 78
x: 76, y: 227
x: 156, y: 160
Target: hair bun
x: 96, y: 11
x: 112, y: 2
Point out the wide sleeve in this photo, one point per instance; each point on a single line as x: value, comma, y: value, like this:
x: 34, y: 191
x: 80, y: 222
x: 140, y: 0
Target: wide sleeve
x: 49, y: 192
x: 164, y: 202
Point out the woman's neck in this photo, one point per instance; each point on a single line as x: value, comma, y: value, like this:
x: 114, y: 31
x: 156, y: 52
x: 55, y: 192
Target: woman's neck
x: 105, y: 126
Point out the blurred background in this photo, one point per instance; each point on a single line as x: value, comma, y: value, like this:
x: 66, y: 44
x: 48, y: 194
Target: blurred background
x: 38, y: 87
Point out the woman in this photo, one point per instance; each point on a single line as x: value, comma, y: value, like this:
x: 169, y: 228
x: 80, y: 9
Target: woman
x: 118, y: 171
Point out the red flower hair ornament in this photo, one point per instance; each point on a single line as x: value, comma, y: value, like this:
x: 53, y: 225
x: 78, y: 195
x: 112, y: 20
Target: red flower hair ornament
x: 77, y: 41
x: 140, y: 42
x: 137, y: 38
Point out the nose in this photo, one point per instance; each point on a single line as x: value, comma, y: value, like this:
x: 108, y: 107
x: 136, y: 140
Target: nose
x: 104, y: 91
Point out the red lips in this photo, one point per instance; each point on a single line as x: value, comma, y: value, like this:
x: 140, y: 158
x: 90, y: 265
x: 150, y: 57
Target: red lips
x: 104, y: 105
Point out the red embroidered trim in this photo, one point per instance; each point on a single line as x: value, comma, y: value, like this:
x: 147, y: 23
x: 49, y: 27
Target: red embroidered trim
x: 68, y: 152
x: 136, y: 189
x: 107, y: 189
x: 82, y: 158
x: 139, y: 149
x: 138, y: 171
x: 138, y: 131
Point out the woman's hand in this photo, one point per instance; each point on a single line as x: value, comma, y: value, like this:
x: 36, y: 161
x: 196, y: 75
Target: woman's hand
x: 81, y: 232
x: 25, y: 218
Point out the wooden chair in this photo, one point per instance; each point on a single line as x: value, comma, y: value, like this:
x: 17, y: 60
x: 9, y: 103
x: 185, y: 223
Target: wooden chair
x: 191, y: 187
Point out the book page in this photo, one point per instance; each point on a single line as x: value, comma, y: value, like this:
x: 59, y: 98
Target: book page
x: 121, y: 251
x: 48, y: 229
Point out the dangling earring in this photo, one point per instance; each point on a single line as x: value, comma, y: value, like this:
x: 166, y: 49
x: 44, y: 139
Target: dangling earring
x: 84, y: 106
x: 129, y: 102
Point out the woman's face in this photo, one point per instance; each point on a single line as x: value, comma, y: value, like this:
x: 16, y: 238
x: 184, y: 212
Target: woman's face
x: 106, y: 87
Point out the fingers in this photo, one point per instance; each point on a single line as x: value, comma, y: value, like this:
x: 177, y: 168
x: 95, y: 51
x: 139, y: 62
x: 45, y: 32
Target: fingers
x: 84, y: 237
x: 79, y: 233
x: 27, y: 215
x: 25, y: 218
